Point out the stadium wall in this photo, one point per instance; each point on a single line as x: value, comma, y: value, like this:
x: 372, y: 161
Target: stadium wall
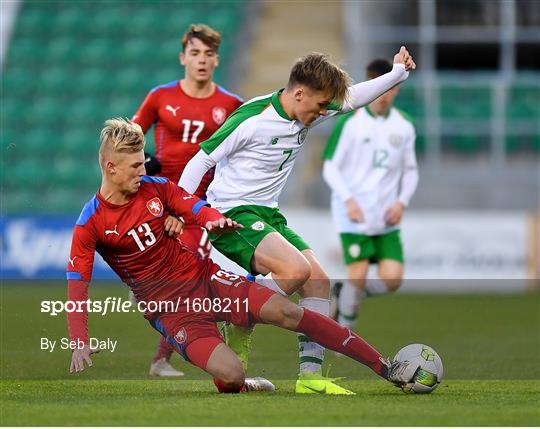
x: 442, y: 249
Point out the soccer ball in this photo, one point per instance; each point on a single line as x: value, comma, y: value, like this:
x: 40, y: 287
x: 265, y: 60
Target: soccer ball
x: 430, y: 371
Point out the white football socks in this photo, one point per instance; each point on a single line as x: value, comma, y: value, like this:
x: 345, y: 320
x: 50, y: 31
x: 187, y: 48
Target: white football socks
x: 349, y: 300
x: 375, y: 286
x: 312, y: 354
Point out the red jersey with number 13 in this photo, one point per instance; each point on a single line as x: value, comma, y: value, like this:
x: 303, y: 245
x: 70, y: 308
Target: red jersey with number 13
x: 182, y: 122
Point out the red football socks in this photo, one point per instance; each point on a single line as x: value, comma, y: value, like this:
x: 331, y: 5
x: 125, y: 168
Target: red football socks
x: 332, y: 335
x: 165, y: 350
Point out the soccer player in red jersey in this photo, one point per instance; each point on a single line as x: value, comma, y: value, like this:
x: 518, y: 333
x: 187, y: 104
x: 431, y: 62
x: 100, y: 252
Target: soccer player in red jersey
x: 185, y: 113
x: 124, y: 222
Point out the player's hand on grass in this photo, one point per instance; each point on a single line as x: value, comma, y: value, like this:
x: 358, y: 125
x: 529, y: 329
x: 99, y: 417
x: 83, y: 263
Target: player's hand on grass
x: 173, y: 226
x: 222, y: 226
x: 394, y: 213
x: 80, y: 356
x: 404, y: 57
x: 354, y: 212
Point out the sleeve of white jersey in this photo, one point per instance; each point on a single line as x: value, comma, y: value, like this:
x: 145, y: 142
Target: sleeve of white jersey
x: 194, y: 171
x: 364, y: 93
x: 409, y: 179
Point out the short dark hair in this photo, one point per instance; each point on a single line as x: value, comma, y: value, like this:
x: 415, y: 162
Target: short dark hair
x: 378, y: 67
x: 204, y: 33
x: 319, y: 73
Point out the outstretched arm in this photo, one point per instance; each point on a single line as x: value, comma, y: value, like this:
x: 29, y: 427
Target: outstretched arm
x: 79, y: 273
x: 365, y: 92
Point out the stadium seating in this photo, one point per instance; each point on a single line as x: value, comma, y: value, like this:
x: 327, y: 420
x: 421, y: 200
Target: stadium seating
x: 70, y: 66
x: 469, y: 107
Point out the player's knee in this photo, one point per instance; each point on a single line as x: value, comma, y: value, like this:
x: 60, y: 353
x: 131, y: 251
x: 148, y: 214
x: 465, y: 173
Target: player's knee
x: 358, y: 282
x: 299, y: 272
x: 393, y: 283
x: 233, y: 376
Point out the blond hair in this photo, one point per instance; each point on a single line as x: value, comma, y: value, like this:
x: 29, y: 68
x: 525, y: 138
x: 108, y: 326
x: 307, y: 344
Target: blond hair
x: 316, y: 71
x: 204, y: 33
x: 120, y: 135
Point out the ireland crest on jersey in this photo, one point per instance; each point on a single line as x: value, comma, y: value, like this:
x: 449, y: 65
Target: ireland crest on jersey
x: 395, y: 140
x: 155, y: 207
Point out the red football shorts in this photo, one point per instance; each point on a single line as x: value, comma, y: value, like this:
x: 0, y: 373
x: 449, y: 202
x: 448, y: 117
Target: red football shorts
x: 222, y: 296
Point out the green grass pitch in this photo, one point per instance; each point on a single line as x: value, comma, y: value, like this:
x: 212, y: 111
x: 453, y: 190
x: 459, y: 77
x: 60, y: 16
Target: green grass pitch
x: 490, y: 346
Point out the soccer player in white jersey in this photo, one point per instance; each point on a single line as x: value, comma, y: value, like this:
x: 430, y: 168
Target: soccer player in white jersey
x: 370, y: 165
x: 254, y: 151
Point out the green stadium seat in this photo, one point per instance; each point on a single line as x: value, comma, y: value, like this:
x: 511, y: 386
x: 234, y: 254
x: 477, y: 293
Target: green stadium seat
x: 32, y: 22
x: 31, y: 172
x: 84, y: 111
x: 8, y: 137
x: 129, y: 80
x: 524, y: 103
x: 114, y: 22
x: 47, y: 110
x: 522, y: 144
x: 70, y: 66
x: 24, y: 51
x: 93, y: 81
x: 143, y: 21
x: 13, y: 111
x: 123, y: 106
x: 135, y: 49
x: 20, y: 201
x: 54, y: 80
x: 66, y: 200
x: 465, y: 102
x: 61, y: 50
x: 167, y: 51
x: 465, y: 144
x: 78, y: 142
x: 38, y: 142
x: 411, y: 102
x: 71, y: 19
x: 19, y: 82
x: 420, y: 144
x: 98, y: 52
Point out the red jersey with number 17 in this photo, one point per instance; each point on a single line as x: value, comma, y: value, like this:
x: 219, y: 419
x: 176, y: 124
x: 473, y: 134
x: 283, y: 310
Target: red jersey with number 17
x: 182, y: 122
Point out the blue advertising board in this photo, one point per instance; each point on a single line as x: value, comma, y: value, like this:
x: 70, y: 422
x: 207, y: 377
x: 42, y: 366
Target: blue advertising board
x: 38, y: 248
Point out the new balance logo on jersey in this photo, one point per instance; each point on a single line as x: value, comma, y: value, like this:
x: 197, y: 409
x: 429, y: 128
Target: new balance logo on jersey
x: 189, y: 197
x: 172, y: 109
x: 155, y: 207
x: 72, y: 261
x: 112, y: 231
